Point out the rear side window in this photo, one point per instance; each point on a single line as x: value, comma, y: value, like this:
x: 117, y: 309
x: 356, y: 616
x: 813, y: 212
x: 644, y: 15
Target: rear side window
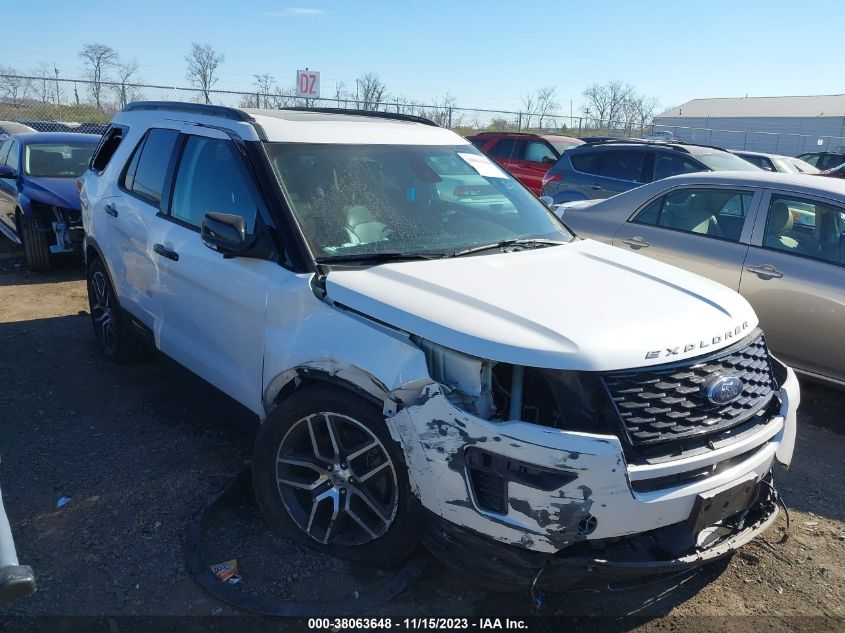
x: 623, y: 166
x: 712, y: 212
x: 508, y: 148
x: 666, y: 165
x: 148, y: 166
x: 108, y: 146
x: 588, y: 162
x: 479, y: 142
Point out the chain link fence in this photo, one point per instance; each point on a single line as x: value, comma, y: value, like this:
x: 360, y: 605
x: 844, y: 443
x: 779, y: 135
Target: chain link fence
x: 53, y: 104
x: 788, y: 144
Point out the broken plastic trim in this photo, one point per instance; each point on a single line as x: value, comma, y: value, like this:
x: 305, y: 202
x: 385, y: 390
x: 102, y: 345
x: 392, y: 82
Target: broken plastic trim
x: 237, y: 597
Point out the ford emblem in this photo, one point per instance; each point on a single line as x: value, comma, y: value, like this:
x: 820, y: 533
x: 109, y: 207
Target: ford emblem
x: 723, y: 389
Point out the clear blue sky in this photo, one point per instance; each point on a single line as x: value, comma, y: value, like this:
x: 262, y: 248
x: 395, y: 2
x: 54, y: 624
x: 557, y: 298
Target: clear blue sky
x: 487, y: 53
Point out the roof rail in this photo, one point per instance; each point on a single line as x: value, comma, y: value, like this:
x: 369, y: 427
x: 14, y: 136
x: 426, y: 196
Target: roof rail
x: 674, y: 144
x: 197, y: 108
x: 371, y: 113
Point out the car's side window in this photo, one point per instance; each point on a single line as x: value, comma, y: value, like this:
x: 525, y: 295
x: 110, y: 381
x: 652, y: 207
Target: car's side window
x: 536, y: 151
x: 479, y: 142
x: 666, y: 165
x: 812, y: 159
x: 712, y: 212
x: 587, y: 162
x: 107, y: 147
x: 212, y: 177
x: 623, y: 166
x: 807, y: 227
x: 13, y: 160
x: 4, y: 151
x: 147, y: 169
x: 508, y: 149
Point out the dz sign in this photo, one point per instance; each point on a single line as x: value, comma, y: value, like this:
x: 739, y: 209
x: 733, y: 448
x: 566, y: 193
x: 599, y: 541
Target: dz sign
x: 308, y: 84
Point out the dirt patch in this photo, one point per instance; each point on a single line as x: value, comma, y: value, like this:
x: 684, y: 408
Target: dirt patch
x: 139, y: 449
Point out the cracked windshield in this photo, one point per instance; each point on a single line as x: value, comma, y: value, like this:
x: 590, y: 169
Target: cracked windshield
x: 359, y: 200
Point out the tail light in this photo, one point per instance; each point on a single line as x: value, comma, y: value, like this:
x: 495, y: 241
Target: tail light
x: 550, y: 177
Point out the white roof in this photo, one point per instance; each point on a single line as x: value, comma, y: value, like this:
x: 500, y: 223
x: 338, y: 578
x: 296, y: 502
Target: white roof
x: 811, y: 106
x: 295, y: 126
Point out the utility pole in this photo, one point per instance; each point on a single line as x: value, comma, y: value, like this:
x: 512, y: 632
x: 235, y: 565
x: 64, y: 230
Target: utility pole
x: 56, y: 71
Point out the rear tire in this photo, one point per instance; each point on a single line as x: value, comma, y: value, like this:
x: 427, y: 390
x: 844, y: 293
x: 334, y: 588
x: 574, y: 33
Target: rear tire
x: 114, y: 334
x: 327, y: 474
x: 36, y: 247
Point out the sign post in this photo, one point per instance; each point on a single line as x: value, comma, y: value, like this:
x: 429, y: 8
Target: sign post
x: 308, y: 85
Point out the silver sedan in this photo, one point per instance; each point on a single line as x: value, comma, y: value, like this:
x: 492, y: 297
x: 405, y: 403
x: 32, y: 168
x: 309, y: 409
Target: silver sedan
x: 778, y: 239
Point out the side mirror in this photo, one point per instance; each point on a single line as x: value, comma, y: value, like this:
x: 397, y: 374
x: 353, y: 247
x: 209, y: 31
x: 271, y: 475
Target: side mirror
x: 548, y: 201
x: 8, y: 172
x: 225, y: 233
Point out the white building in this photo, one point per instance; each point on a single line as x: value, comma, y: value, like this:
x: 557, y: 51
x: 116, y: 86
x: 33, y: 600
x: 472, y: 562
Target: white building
x: 781, y: 125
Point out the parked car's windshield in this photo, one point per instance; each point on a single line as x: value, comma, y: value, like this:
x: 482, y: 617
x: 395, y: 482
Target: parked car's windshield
x: 371, y: 199
x: 722, y: 161
x: 60, y: 160
x: 803, y: 166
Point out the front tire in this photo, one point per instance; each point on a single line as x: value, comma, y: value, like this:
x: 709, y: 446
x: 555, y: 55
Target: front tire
x: 327, y: 474
x: 114, y: 334
x: 36, y: 246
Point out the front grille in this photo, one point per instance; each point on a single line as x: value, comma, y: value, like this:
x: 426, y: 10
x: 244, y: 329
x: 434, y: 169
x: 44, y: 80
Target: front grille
x: 667, y: 403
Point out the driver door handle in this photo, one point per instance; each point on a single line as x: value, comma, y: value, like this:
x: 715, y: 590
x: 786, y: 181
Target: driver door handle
x: 110, y: 209
x: 162, y: 250
x: 636, y: 242
x: 766, y: 270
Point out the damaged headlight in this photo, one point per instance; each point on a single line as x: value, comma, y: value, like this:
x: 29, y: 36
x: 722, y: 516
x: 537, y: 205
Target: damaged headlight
x: 469, y: 380
x: 568, y: 400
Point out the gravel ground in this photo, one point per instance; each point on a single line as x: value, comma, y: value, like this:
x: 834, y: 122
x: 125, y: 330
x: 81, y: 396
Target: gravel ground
x: 139, y: 450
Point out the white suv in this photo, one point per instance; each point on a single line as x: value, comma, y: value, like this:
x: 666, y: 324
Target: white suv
x: 433, y: 355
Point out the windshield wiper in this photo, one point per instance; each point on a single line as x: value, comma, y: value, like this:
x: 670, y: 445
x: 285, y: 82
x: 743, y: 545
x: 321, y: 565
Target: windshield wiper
x: 525, y: 242
x: 377, y: 258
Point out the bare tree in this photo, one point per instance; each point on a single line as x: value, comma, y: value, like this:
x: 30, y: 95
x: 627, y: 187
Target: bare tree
x: 529, y: 105
x: 596, y: 101
x: 341, y: 94
x: 620, y: 93
x: 126, y: 76
x: 546, y: 104
x: 43, y: 85
x: 370, y: 91
x: 12, y: 86
x: 609, y: 103
x: 264, y: 84
x: 644, y: 109
x: 203, y: 63
x: 98, y: 60
x: 442, y: 111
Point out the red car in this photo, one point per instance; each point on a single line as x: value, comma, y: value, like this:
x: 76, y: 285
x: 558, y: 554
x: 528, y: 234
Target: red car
x: 526, y: 156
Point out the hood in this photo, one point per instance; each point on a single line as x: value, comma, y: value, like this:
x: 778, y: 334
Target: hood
x: 60, y: 192
x: 584, y: 305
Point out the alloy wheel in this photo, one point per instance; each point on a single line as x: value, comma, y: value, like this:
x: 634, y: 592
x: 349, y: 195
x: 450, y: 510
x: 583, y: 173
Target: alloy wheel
x: 102, y: 310
x: 336, y: 480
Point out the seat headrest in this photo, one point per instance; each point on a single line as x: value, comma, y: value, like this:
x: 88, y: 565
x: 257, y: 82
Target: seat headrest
x: 358, y: 215
x: 780, y: 219
x: 698, y: 202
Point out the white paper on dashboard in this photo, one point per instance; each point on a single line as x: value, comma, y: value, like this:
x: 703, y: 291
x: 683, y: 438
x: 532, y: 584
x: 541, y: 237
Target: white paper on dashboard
x: 483, y: 165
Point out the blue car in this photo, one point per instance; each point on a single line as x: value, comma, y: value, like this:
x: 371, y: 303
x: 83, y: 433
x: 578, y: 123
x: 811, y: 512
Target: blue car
x: 39, y: 202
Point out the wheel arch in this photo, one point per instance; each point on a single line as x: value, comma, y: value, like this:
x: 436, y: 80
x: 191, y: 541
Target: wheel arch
x: 349, y: 377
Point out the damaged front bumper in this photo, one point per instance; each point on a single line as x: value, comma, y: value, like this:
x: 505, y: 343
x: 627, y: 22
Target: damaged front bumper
x: 569, y: 493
